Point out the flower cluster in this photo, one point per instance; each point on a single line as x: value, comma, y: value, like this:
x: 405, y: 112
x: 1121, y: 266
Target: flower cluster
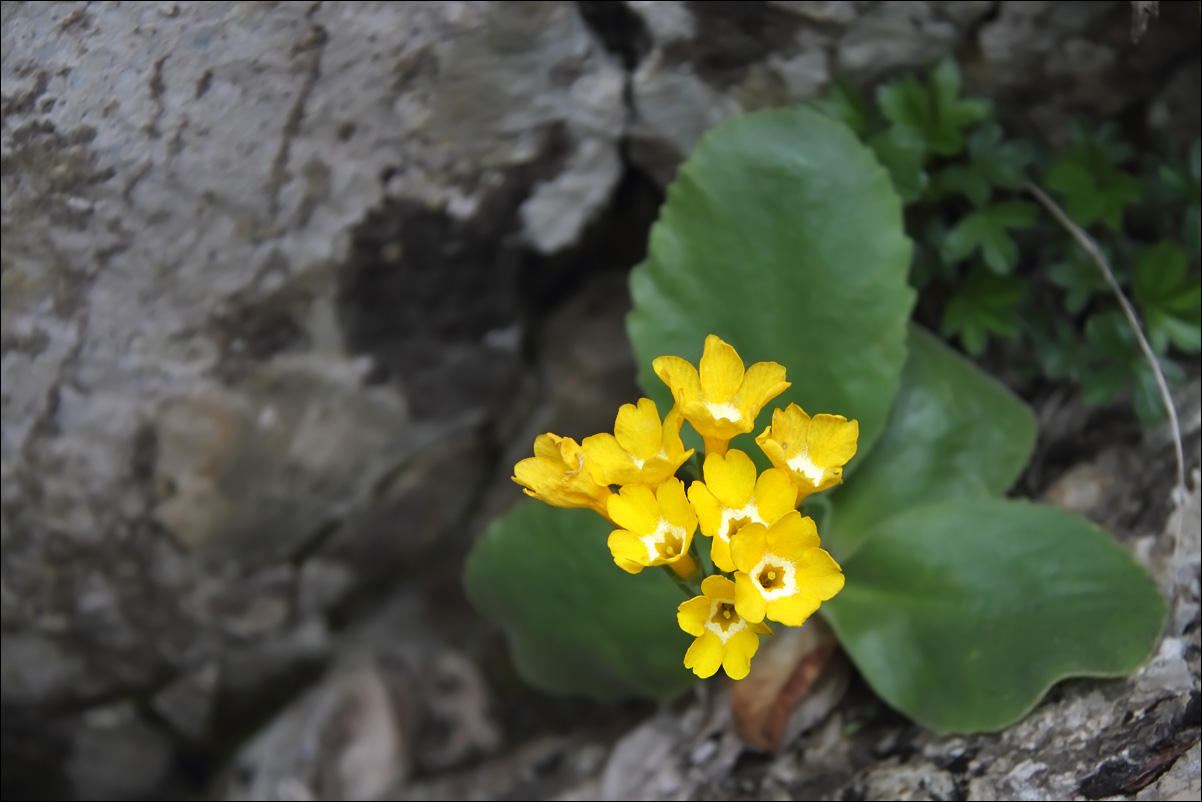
x: 768, y: 558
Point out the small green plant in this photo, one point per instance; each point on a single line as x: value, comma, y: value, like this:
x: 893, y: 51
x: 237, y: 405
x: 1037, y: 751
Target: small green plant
x: 783, y: 238
x: 996, y: 273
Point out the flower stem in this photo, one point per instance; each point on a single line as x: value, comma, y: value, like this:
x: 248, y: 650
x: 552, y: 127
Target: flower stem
x: 696, y: 557
x: 681, y: 583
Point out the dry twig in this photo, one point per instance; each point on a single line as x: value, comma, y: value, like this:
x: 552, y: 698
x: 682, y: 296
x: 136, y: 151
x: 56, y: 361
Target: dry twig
x: 1090, y: 247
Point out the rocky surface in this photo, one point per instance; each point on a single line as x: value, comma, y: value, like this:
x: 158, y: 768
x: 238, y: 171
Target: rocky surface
x: 286, y: 289
x: 1042, y: 61
x: 1133, y: 738
x: 261, y: 324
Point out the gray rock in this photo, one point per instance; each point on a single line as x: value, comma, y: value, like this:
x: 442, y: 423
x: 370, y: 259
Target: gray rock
x: 1043, y: 61
x: 115, y: 755
x: 187, y: 703
x: 343, y: 740
x: 195, y: 296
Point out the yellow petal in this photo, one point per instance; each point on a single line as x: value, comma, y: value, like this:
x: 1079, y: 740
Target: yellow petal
x: 714, y: 430
x: 763, y: 382
x: 790, y: 428
x: 681, y: 378
x: 792, y: 535
x: 772, y: 449
x: 730, y: 478
x: 819, y: 574
x: 708, y: 508
x: 629, y: 566
x: 718, y: 587
x: 560, y: 474
x: 547, y: 446
x: 760, y: 628
x: 775, y: 494
x: 806, y: 488
x: 832, y: 440
x: 720, y: 555
x: 628, y: 551
x: 656, y: 471
x: 692, y: 614
x: 749, y: 602
x: 572, y: 455
x: 749, y: 546
x: 705, y: 655
x: 792, y: 611
x: 638, y: 429
x: 608, y: 462
x: 675, y: 507
x: 721, y: 371
x: 672, y: 444
x: 636, y: 509
x: 532, y: 472
x: 741, y: 647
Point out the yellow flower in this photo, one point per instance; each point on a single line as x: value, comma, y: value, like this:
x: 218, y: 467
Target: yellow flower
x: 723, y: 638
x: 812, y: 450
x: 657, y: 528
x: 731, y: 497
x: 783, y: 574
x: 642, y: 451
x: 558, y: 474
x: 723, y: 400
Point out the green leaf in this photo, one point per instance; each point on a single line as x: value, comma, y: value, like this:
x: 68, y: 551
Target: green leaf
x: 903, y: 152
x: 988, y: 231
x: 1169, y: 298
x: 1110, y: 332
x: 992, y: 162
x: 1080, y: 278
x: 1002, y: 162
x: 1184, y: 186
x: 1102, y: 382
x: 1100, y: 146
x: 845, y: 104
x: 986, y: 304
x: 953, y: 432
x: 1149, y: 406
x: 940, y: 115
x: 962, y: 614
x: 575, y: 622
x: 1092, y: 187
x: 1059, y: 348
x: 966, y: 180
x: 952, y: 113
x: 905, y: 102
x: 783, y: 236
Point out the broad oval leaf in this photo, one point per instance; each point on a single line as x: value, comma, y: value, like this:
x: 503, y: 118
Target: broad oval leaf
x: 782, y: 235
x: 954, y: 431
x: 962, y: 614
x: 574, y: 621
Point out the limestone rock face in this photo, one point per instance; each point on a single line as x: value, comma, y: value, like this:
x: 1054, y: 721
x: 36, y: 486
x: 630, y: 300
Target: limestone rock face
x: 261, y: 281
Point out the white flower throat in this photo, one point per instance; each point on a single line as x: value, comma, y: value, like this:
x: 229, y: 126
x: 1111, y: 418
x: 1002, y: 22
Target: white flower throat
x: 804, y: 465
x: 728, y: 411
x: 786, y: 574
x: 659, y: 538
x: 749, y: 515
x: 735, y: 626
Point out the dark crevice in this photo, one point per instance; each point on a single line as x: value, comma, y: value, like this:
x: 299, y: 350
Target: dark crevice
x: 620, y: 30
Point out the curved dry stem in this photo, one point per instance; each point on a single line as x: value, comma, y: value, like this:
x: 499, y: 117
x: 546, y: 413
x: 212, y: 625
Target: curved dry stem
x: 1090, y: 247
